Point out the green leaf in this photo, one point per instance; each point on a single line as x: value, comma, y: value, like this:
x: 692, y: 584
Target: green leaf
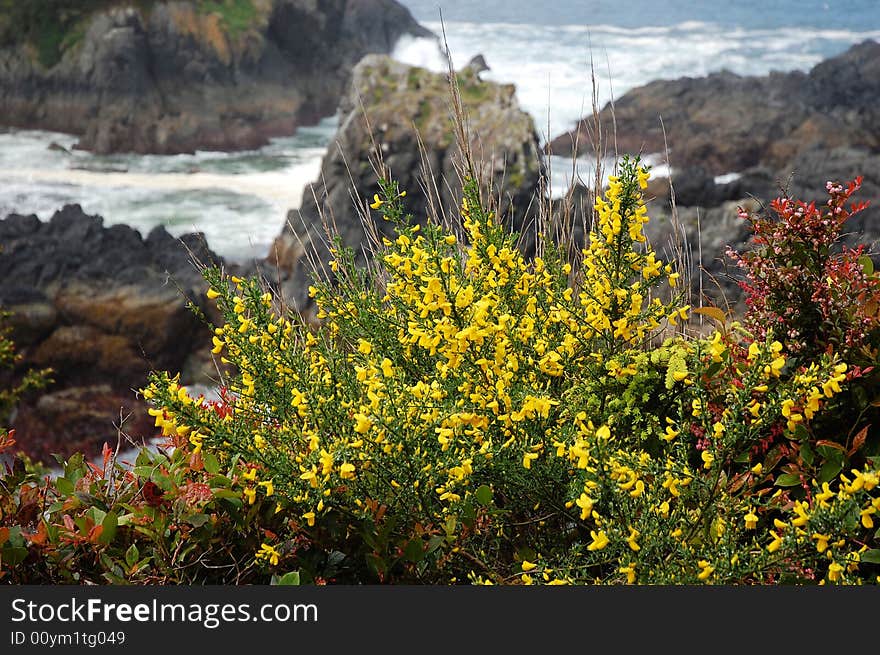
x: 64, y: 486
x: 288, y: 579
x: 807, y: 454
x: 198, y: 520
x: 484, y: 495
x: 73, y: 469
x: 831, y: 454
x: 95, y: 513
x: 867, y: 264
x: 716, y: 314
x: 415, y: 550
x: 109, y: 524
x: 144, y: 471
x: 212, y: 466
x: 131, y: 555
x: 788, y: 480
x: 872, y: 556
x: 13, y: 556
x: 829, y: 471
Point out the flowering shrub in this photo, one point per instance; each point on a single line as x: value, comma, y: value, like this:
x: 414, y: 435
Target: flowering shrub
x: 465, y: 414
x: 806, y: 289
x: 167, y: 518
x: 803, y: 286
x: 15, y: 388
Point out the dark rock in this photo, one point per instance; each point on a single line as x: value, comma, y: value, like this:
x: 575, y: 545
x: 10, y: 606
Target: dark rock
x: 785, y: 134
x: 170, y: 77
x: 478, y: 64
x: 407, y: 108
x: 376, y: 25
x: 80, y: 419
x: 102, y: 307
x: 57, y: 147
x: 729, y: 123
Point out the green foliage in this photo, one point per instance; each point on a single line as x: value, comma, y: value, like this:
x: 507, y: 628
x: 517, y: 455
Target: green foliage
x: 50, y: 25
x: 54, y: 26
x: 463, y: 414
x: 237, y: 15
x: 167, y: 518
x: 30, y: 381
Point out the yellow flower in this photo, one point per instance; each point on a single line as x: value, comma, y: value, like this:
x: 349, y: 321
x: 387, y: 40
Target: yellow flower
x: 528, y: 566
x: 821, y: 542
x: 630, y: 572
x: 631, y: 540
x: 268, y: 486
x: 586, y: 505
x: 706, y: 569
x: 268, y: 552
x: 774, y: 545
x: 310, y: 518
x: 387, y: 368
x: 362, y: 423
x: 212, y: 294
x: 834, y: 571
x: 600, y: 540
x: 346, y: 471
x: 251, y: 495
x: 865, y: 514
x: 708, y: 459
x: 751, y: 520
x: 377, y: 201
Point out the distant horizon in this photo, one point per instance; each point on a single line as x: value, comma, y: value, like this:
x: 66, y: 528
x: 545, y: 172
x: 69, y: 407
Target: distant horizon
x: 828, y: 14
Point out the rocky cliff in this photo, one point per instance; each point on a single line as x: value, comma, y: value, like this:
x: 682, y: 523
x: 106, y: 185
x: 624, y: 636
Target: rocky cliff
x: 407, y: 113
x: 784, y: 134
x: 101, y: 306
x: 168, y: 77
x: 730, y: 123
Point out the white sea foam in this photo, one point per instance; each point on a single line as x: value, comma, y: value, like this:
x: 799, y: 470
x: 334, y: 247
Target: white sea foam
x: 551, y: 65
x: 239, y: 200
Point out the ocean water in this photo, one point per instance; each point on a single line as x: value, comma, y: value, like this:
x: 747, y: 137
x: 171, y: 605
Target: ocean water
x: 550, y: 51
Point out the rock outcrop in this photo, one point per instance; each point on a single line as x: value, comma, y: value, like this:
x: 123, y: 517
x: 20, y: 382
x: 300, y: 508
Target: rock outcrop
x: 730, y: 123
x: 406, y: 112
x: 101, y: 306
x: 784, y: 134
x: 168, y: 77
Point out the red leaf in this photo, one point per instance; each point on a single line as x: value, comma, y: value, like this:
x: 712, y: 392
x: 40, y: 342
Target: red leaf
x: 831, y: 444
x: 95, y: 533
x: 152, y: 494
x: 858, y: 441
x: 107, y: 452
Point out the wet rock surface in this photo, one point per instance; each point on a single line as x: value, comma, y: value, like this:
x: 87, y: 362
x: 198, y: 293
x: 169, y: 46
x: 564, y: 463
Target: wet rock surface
x: 405, y: 113
x: 101, y: 306
x: 171, y: 77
